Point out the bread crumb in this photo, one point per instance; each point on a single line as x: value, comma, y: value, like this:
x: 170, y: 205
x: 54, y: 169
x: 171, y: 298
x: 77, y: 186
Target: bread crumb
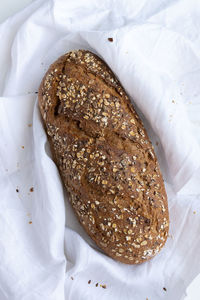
x: 165, y: 289
x: 30, y: 125
x: 22, y: 147
x: 103, y: 286
x: 173, y: 101
x: 30, y: 222
x: 31, y: 189
x: 110, y: 39
x: 194, y: 212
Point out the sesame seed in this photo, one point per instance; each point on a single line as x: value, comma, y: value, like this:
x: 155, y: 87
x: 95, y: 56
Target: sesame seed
x: 106, y: 102
x: 143, y: 243
x: 135, y: 245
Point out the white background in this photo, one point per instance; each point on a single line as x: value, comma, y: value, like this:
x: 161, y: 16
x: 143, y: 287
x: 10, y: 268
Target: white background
x: 8, y: 8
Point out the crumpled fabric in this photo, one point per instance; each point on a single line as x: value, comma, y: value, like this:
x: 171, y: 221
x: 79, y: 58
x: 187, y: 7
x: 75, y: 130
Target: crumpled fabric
x: 44, y: 252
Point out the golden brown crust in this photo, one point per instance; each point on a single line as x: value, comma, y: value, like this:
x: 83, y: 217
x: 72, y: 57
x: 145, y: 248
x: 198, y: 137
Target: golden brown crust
x: 105, y: 158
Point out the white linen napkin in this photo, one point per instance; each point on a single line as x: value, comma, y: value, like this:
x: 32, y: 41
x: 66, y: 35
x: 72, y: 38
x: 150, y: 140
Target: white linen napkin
x: 45, y: 254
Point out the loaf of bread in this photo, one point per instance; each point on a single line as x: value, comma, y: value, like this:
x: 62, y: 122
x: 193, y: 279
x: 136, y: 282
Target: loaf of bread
x: 105, y: 158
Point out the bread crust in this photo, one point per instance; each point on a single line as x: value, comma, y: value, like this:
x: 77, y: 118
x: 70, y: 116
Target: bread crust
x: 105, y: 157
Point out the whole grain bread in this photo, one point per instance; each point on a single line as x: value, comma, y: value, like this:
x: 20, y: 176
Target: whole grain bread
x: 105, y: 157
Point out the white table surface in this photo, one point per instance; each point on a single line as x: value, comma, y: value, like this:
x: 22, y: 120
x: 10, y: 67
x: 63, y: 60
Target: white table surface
x: 10, y: 7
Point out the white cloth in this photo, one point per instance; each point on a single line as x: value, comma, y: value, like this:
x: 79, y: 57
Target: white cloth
x: 44, y: 252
